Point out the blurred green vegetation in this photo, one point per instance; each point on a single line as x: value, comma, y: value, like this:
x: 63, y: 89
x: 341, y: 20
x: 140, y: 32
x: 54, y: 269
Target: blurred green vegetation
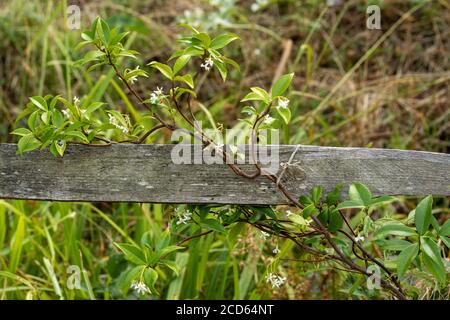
x: 397, y: 98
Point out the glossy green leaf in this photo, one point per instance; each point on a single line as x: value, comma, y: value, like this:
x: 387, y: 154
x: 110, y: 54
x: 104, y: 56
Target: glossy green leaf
x: 406, y: 257
x: 281, y: 85
x: 359, y: 192
x: 422, y: 217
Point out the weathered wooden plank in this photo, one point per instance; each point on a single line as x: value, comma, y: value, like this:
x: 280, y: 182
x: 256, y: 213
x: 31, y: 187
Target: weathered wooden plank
x: 146, y: 173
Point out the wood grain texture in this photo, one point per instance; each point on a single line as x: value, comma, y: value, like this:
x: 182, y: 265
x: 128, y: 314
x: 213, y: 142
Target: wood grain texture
x: 146, y: 173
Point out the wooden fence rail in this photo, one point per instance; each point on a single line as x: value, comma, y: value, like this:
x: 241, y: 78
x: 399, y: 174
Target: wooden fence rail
x: 146, y: 173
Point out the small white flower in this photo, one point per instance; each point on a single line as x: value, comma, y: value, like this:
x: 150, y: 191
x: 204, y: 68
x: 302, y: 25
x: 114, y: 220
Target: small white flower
x: 184, y: 218
x: 66, y: 113
x: 154, y: 98
x: 264, y: 235
x: 159, y: 91
x: 207, y: 64
x: 134, y: 78
x: 283, y: 103
x: 275, y: 280
x: 156, y: 95
x: 140, y: 287
x: 114, y: 122
x: 359, y: 239
x: 268, y: 120
x: 308, y: 222
x: 276, y: 250
x: 75, y: 100
x: 288, y: 213
x: 257, y: 52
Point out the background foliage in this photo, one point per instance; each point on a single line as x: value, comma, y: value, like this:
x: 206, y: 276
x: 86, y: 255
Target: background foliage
x: 396, y: 98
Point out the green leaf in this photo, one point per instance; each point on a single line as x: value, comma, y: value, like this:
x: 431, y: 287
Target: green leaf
x: 437, y: 269
x: 16, y: 245
x: 281, y: 85
x: 249, y: 110
x: 261, y: 93
x: 191, y: 28
x: 431, y: 249
x: 445, y: 229
x: 285, y: 114
x: 187, y: 78
x: 60, y: 146
x: 359, y: 192
x: 298, y: 219
x: 150, y: 277
x: 222, y: 69
x: 167, y: 250
x: 396, y: 229
x: 222, y: 40
x: 334, y: 196
x: 203, y: 38
x: 172, y: 266
x: 446, y: 241
x: 33, y: 120
x: 213, y: 225
x: 252, y: 97
x: 422, y: 217
x: 394, y: 244
x: 39, y: 102
x: 132, y: 253
x: 305, y: 200
x: 335, y: 222
x: 135, y: 73
x: 180, y: 63
x: 93, y: 107
x: 310, y: 210
x: 381, y: 200
x: 231, y: 62
x: 163, y: 68
x: 316, y: 194
x: 28, y: 143
x: 128, y: 276
x: 21, y: 132
x: 77, y: 134
x: 350, y: 204
x: 406, y: 257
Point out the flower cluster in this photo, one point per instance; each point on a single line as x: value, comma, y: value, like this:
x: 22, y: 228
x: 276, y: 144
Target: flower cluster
x: 276, y: 250
x: 156, y: 95
x: 264, y: 235
x: 283, y: 103
x: 359, y: 239
x: 133, y: 79
x: 268, y: 120
x: 140, y: 287
x: 207, y: 64
x: 275, y: 280
x: 116, y: 124
x: 184, y: 217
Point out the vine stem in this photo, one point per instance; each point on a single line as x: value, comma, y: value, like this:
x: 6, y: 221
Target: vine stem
x: 395, y: 289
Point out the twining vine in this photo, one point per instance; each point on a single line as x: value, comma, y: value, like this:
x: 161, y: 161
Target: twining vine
x: 318, y: 220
